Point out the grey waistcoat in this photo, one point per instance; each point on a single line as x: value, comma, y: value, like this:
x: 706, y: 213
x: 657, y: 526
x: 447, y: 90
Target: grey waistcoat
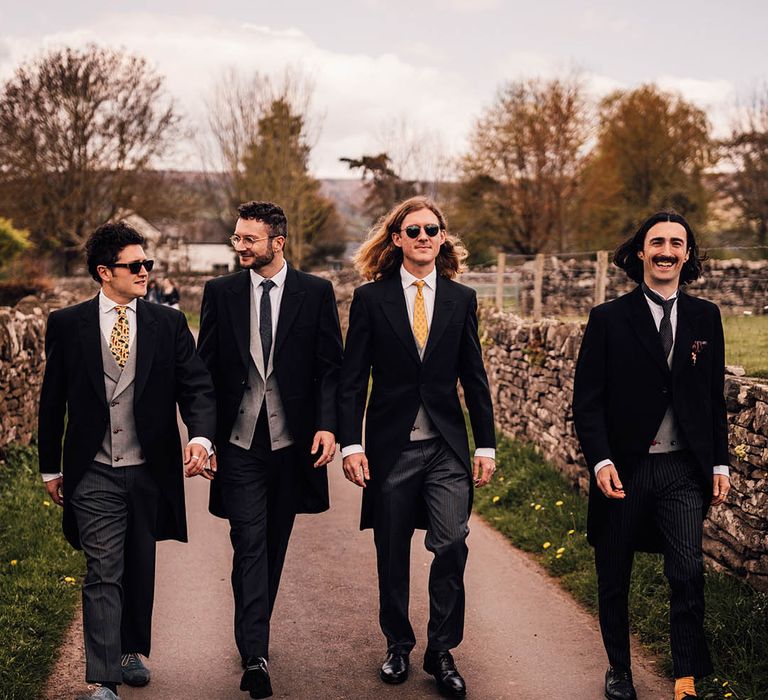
x: 257, y: 392
x: 120, y: 446
x: 668, y: 436
x: 423, y: 427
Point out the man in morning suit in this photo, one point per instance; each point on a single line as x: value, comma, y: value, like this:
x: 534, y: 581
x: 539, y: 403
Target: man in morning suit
x: 116, y: 366
x: 416, y: 330
x: 649, y: 411
x: 270, y: 336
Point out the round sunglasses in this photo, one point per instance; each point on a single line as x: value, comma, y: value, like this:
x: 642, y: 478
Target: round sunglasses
x: 414, y: 230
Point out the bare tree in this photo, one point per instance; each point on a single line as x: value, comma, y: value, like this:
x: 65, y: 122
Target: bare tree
x: 523, y: 165
x: 79, y: 131
x: 747, y: 151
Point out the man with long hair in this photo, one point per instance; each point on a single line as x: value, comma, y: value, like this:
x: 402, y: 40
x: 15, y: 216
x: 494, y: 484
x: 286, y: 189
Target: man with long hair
x: 270, y: 337
x: 649, y: 411
x: 415, y: 329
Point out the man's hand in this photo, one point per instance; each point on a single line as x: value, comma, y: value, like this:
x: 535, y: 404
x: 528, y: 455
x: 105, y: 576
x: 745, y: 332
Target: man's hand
x: 326, y: 440
x: 356, y: 468
x: 721, y: 485
x: 55, y: 490
x: 195, y: 460
x: 609, y: 483
x: 482, y: 470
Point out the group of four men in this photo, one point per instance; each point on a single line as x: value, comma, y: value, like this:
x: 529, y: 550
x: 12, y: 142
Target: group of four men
x: 271, y: 389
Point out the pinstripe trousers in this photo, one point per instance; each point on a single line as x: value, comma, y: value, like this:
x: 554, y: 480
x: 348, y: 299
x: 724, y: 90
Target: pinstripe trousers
x: 426, y: 474
x: 662, y: 492
x: 116, y: 511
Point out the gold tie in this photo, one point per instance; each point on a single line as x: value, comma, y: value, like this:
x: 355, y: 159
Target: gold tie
x: 120, y: 338
x: 420, y: 328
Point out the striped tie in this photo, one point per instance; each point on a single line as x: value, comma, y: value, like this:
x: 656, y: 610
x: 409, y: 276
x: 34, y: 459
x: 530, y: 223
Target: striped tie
x: 119, y: 340
x: 420, y: 328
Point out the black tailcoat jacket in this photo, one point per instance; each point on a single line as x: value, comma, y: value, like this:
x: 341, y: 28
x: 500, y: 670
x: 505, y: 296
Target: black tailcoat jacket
x: 307, y: 359
x: 623, y: 386
x: 168, y: 371
x: 380, y: 340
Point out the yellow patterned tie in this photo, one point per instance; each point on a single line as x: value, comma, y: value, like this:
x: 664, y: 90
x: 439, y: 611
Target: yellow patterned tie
x: 120, y: 338
x: 420, y: 328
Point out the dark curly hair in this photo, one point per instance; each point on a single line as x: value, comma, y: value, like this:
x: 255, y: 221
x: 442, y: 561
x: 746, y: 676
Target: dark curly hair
x: 626, y: 258
x: 105, y: 243
x: 268, y: 213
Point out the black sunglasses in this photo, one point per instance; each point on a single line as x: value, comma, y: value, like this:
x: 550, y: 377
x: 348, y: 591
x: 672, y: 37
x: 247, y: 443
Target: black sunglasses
x: 414, y: 230
x: 135, y: 267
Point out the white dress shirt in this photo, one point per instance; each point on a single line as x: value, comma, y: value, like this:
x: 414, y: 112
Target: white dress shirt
x: 428, y: 292
x: 107, y: 319
x: 275, y: 294
x: 657, y: 312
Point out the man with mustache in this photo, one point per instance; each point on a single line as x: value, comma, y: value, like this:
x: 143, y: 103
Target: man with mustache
x: 649, y: 411
x: 270, y: 336
x: 116, y: 367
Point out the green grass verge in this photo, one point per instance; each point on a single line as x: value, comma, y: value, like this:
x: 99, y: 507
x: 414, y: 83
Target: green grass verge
x: 532, y: 505
x: 36, y: 599
x: 193, y: 319
x: 746, y: 344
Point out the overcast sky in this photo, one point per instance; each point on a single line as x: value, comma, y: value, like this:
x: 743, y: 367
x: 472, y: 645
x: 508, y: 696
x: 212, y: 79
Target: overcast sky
x: 437, y: 63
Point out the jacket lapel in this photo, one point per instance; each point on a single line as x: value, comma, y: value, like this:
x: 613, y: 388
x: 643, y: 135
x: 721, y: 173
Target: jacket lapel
x: 444, y: 306
x: 90, y: 340
x: 293, y: 298
x: 146, y: 341
x: 239, y: 308
x: 684, y: 334
x: 396, y: 312
x: 645, y: 328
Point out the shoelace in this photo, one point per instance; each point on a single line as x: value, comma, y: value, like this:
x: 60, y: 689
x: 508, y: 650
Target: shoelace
x: 261, y: 664
x: 127, y: 659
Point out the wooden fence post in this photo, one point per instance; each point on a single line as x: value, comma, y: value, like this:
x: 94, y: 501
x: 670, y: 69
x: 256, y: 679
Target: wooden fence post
x: 601, y: 276
x: 538, y: 283
x: 500, y: 269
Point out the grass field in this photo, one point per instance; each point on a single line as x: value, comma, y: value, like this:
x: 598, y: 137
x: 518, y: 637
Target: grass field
x: 746, y: 343
x: 531, y: 503
x: 40, y: 577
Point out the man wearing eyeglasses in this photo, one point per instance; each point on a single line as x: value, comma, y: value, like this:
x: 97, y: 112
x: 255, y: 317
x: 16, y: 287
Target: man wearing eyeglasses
x: 415, y: 330
x: 270, y: 336
x: 116, y: 367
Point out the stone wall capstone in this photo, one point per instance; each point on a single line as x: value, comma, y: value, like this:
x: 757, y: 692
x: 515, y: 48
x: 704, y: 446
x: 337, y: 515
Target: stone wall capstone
x: 531, y: 368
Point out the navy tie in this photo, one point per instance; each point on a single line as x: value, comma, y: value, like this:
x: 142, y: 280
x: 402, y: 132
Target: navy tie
x: 665, y: 327
x: 265, y: 321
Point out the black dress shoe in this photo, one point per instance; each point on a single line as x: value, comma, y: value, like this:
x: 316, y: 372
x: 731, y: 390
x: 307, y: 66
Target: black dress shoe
x: 440, y: 664
x: 394, y: 670
x: 618, y: 685
x: 256, y: 678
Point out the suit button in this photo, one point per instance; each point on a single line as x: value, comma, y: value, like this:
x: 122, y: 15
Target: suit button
x: 665, y: 391
x: 268, y: 390
x: 242, y: 410
x: 114, y: 403
x: 117, y: 459
x: 116, y: 430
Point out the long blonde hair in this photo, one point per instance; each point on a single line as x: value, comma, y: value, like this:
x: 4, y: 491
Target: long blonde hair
x: 379, y: 257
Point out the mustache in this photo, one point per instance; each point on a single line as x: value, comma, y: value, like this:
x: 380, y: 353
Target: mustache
x: 666, y: 258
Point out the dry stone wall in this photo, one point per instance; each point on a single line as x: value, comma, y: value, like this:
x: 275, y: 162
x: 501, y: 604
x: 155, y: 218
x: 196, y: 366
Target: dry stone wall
x: 531, y: 368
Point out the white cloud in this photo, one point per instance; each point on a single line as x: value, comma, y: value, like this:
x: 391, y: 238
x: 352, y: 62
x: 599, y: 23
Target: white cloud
x: 354, y: 93
x: 715, y: 97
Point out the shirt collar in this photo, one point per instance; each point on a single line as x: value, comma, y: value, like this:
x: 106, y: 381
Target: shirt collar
x: 278, y: 278
x: 106, y: 304
x: 408, y: 279
x: 671, y: 296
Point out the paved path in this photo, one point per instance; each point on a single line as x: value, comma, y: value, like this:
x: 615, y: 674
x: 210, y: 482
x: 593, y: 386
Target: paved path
x: 525, y: 638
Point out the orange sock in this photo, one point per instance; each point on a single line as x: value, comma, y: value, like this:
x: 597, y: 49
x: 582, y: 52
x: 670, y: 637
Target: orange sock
x: 683, y: 687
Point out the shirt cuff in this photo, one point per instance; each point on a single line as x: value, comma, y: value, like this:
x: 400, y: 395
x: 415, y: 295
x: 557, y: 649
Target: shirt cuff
x: 51, y: 477
x: 205, y: 442
x: 602, y: 463
x: 722, y: 469
x: 489, y: 452
x: 351, y: 450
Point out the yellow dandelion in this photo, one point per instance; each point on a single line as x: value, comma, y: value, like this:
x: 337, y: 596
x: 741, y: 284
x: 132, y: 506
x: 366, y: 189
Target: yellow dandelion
x: 558, y: 556
x: 570, y: 532
x: 537, y: 507
x: 558, y: 503
x: 560, y: 550
x: 496, y: 499
x: 69, y: 579
x: 728, y: 695
x: 14, y: 562
x: 725, y: 683
x: 46, y: 503
x: 547, y: 545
